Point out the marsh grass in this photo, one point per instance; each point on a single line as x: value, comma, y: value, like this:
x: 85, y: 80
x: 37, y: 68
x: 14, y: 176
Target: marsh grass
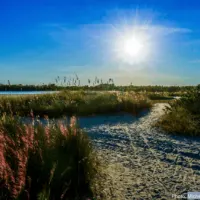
x: 183, y: 116
x: 50, y: 162
x: 74, y: 103
x: 159, y: 96
x: 180, y: 121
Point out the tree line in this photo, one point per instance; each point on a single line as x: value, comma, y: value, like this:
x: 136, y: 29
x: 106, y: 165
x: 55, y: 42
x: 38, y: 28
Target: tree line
x: 99, y: 87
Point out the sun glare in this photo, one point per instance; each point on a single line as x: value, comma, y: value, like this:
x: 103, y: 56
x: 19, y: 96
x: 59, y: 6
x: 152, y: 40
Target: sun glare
x: 132, y: 40
x: 132, y: 46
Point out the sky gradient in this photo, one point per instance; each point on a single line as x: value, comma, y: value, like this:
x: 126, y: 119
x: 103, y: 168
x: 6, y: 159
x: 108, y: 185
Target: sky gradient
x: 40, y: 40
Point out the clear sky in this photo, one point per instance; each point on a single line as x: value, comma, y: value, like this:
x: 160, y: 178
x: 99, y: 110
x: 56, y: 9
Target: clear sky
x: 40, y: 40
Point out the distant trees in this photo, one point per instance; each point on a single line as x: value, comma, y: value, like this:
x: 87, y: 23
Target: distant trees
x: 69, y: 83
x: 75, y: 84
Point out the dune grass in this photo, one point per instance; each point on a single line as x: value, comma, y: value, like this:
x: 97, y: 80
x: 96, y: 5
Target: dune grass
x: 183, y: 116
x: 50, y: 162
x: 74, y: 103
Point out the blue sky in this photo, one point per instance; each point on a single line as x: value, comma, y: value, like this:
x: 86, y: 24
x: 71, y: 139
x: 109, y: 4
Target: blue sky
x: 40, y: 40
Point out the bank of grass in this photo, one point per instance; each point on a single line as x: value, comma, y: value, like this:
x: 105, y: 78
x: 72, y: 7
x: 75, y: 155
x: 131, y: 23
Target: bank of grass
x: 161, y: 97
x: 74, y: 103
x: 183, y: 115
x: 45, y: 163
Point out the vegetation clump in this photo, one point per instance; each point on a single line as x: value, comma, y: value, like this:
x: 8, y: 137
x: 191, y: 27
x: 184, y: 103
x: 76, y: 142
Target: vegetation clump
x: 74, y: 103
x: 183, y: 115
x: 49, y: 162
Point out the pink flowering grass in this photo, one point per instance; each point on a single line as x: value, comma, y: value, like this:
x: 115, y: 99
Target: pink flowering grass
x: 56, y: 160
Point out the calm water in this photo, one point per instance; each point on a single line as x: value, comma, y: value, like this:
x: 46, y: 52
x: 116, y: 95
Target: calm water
x: 100, y: 126
x: 25, y: 92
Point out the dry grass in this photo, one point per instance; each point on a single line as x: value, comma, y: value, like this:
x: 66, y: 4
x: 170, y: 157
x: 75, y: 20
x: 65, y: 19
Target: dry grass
x: 74, y: 103
x: 183, y: 116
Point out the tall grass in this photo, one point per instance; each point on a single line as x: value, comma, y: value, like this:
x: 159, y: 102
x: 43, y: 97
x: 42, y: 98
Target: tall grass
x: 74, y: 103
x: 159, y: 96
x: 45, y: 162
x: 183, y: 116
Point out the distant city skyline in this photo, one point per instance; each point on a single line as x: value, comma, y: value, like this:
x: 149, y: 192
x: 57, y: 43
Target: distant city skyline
x: 131, y: 41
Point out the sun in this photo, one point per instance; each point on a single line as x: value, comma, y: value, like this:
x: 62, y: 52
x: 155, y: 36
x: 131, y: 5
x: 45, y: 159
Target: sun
x: 130, y: 41
x: 132, y: 46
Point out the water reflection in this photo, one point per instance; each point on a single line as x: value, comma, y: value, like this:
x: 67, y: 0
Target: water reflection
x: 25, y: 92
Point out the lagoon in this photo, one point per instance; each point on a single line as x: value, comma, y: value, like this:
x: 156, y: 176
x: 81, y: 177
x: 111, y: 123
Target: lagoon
x: 25, y: 92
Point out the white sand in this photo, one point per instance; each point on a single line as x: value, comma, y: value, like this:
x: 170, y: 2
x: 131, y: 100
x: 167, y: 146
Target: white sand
x: 143, y: 163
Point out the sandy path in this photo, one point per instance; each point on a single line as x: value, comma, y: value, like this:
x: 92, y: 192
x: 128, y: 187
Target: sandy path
x: 144, y: 163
